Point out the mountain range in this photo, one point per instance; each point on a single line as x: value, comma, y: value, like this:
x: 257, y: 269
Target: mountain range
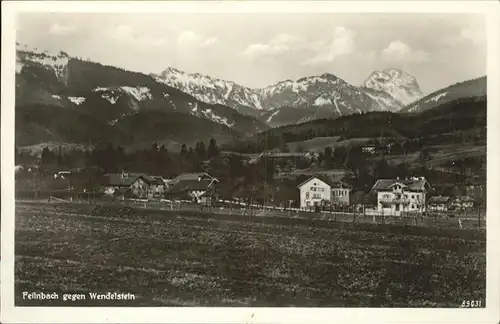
x: 308, y: 98
x: 70, y: 100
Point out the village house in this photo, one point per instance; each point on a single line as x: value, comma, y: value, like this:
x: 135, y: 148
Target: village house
x: 340, y: 194
x: 139, y: 185
x: 167, y: 183
x: 290, y: 159
x: 244, y: 158
x: 198, y: 187
x: 157, y: 186
x: 395, y: 196
x: 368, y: 149
x: 438, y: 203
x: 191, y: 176
x: 476, y: 187
x: 62, y: 175
x: 314, y: 192
x: 461, y: 203
x: 321, y: 191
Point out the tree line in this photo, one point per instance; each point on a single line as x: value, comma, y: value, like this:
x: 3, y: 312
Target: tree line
x: 452, y: 123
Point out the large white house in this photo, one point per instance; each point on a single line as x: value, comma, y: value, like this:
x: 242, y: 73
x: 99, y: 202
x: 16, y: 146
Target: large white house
x: 313, y: 192
x: 395, y: 196
x: 317, y: 191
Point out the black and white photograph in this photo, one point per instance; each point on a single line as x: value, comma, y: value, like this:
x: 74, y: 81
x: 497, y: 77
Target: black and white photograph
x: 248, y: 159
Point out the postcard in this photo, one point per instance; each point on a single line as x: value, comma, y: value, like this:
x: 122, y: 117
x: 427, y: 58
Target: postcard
x: 250, y: 162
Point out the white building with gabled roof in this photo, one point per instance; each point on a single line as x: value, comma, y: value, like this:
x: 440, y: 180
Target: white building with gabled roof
x: 395, y: 196
x: 313, y: 192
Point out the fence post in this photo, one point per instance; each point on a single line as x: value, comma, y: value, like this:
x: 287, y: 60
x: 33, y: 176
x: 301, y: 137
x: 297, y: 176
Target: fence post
x: 479, y: 217
x: 251, y: 206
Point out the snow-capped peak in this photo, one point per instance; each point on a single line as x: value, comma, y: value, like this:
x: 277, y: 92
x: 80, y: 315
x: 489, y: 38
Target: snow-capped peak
x: 57, y: 62
x: 387, y: 90
x: 399, y: 84
x: 210, y: 90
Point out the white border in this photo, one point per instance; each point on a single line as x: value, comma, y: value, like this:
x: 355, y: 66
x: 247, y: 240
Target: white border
x: 11, y: 314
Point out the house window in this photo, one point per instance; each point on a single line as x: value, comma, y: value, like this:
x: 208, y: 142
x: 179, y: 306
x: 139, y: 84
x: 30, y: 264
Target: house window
x: 308, y: 203
x: 385, y: 196
x: 406, y: 196
x: 412, y: 196
x: 412, y: 206
x: 307, y: 195
x: 397, y: 207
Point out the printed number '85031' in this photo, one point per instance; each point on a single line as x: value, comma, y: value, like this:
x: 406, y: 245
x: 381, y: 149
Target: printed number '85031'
x: 471, y: 303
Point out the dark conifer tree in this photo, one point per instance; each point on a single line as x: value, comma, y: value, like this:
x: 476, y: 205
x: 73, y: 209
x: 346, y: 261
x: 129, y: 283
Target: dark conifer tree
x: 213, y: 150
x: 184, y: 150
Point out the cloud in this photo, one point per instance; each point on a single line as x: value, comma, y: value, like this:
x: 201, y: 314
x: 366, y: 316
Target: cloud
x: 128, y: 35
x: 255, y: 50
x: 190, y: 38
x: 473, y: 34
x: 399, y: 51
x: 279, y: 44
x: 341, y: 44
x: 58, y: 29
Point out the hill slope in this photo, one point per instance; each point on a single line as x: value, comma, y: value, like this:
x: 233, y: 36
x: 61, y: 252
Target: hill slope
x: 466, y: 114
x: 106, y: 95
x: 466, y: 89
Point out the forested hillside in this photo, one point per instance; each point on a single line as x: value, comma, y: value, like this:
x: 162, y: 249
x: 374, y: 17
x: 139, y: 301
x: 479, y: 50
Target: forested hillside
x: 450, y: 118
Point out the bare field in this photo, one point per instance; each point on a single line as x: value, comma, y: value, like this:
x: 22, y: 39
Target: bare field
x: 193, y: 259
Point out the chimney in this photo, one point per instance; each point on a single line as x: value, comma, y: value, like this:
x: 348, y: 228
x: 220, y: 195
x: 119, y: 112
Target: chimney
x: 199, y: 178
x: 397, y: 178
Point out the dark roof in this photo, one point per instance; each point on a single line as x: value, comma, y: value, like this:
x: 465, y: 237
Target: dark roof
x: 187, y: 185
x: 285, y: 155
x: 340, y: 185
x: 158, y: 180
x: 125, y: 179
x: 192, y: 176
x: 149, y: 179
x: 411, y: 184
x: 439, y: 200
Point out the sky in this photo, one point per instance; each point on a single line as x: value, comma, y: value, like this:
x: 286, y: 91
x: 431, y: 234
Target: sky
x: 261, y: 49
